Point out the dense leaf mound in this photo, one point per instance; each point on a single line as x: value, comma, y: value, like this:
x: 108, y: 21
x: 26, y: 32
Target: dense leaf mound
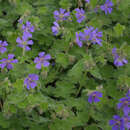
x: 64, y: 65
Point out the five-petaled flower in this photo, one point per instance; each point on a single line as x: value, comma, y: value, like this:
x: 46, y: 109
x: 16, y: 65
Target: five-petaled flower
x: 86, y: 35
x: 118, y: 60
x: 31, y: 81
x: 42, y: 60
x: 55, y: 28
x: 124, y: 104
x: 95, y: 37
x: 61, y: 15
x: 3, y: 45
x: 27, y: 29
x: 24, y: 42
x: 117, y: 123
x: 80, y: 15
x: 8, y: 62
x: 90, y: 35
x: 107, y: 7
x: 94, y: 97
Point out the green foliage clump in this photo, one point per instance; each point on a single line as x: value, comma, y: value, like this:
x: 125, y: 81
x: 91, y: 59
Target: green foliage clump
x: 60, y: 100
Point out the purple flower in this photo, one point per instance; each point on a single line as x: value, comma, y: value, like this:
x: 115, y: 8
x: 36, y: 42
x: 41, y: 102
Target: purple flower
x: 95, y: 37
x: 8, y: 62
x: 20, y: 21
x: 42, y: 60
x: 80, y: 44
x: 80, y: 15
x: 126, y: 121
x: 114, y: 51
x: 27, y: 29
x: 94, y: 97
x: 55, y: 28
x: 61, y: 15
x: 86, y: 35
x: 3, y: 45
x: 30, y: 81
x: 95, y: 9
x: 107, y: 7
x: 87, y: 1
x: 117, y: 123
x: 53, y: 64
x: 24, y: 42
x: 118, y: 60
x: 90, y: 35
x: 124, y: 104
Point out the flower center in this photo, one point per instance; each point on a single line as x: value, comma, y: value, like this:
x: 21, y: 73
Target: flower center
x: 106, y: 5
x: 27, y: 29
x: 30, y: 80
x: 61, y: 16
x: 41, y: 59
x: 126, y: 119
x: 87, y: 37
x: 118, y: 122
x: 94, y: 95
x: 80, y: 15
x: 125, y: 103
x: 7, y: 61
x: 24, y: 43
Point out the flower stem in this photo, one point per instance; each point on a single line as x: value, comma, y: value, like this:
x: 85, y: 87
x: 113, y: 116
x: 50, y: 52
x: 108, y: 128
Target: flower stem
x: 78, y: 91
x: 24, y: 51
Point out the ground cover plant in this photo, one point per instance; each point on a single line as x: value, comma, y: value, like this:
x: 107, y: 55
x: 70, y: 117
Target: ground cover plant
x: 64, y: 65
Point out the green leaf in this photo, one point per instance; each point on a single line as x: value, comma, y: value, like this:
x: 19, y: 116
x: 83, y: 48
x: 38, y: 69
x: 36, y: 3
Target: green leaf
x: 91, y: 127
x: 64, y: 89
x: 93, y: 3
x: 3, y: 23
x: 95, y: 72
x: 42, y: 10
x: 75, y: 73
x: 119, y: 29
x: 23, y: 7
x: 65, y: 4
x: 62, y: 59
x: 4, y: 123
